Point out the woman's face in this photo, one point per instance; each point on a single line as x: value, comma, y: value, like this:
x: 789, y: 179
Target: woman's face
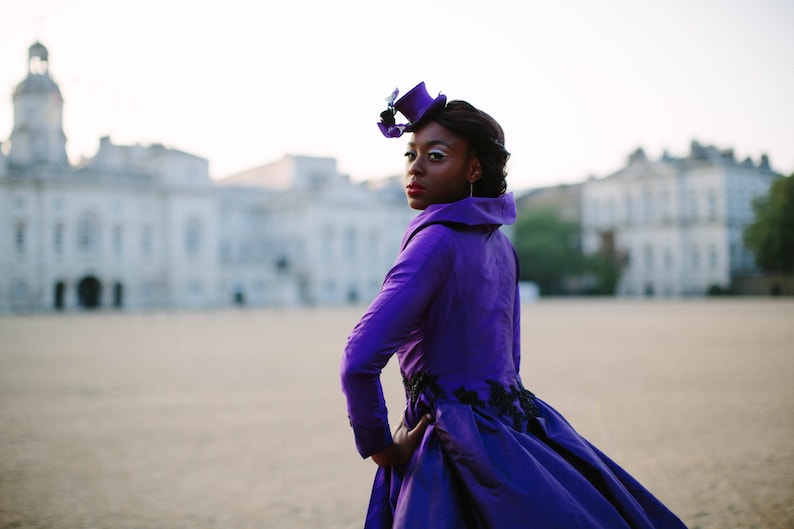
x: 438, y: 167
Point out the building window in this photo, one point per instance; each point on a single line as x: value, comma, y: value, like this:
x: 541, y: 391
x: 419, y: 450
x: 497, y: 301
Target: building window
x: 226, y: 250
x: 711, y: 200
x: 648, y: 256
x: 88, y: 234
x: 668, y: 259
x: 350, y: 243
x: 193, y: 237
x: 629, y: 209
x: 20, y: 292
x: 665, y: 205
x: 146, y: 292
x: 329, y: 290
x: 57, y: 239
x: 611, y: 214
x: 118, y: 241
x: 648, y: 212
x: 194, y: 289
x: 693, y: 205
x: 328, y: 244
x: 595, y: 212
x: 373, y: 244
x: 695, y: 258
x: 146, y: 241
x: 19, y: 237
x: 713, y: 257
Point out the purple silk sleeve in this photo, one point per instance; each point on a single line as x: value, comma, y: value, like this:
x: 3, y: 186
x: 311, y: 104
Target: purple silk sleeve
x: 408, y: 289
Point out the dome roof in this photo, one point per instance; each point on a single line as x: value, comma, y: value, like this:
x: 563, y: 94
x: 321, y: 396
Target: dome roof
x: 37, y: 50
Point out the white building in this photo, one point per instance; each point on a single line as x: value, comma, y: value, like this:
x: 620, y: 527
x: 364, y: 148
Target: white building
x: 678, y: 222
x: 144, y: 227
x: 312, y: 237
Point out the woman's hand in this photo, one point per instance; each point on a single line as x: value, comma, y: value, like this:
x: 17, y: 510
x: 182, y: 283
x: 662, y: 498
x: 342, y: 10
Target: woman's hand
x: 404, y: 445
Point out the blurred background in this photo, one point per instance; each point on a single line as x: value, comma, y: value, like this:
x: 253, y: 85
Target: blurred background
x: 169, y: 155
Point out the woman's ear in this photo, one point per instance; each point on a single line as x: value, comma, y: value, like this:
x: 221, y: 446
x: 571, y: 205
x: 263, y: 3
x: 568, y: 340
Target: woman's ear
x: 475, y: 170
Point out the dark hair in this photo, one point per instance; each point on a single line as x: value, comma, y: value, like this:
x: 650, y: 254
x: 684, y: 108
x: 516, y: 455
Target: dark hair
x: 486, y: 139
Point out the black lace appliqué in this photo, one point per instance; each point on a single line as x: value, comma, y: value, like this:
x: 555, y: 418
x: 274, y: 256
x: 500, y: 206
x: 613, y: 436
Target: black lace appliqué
x: 513, y: 401
x: 418, y: 382
x: 468, y: 397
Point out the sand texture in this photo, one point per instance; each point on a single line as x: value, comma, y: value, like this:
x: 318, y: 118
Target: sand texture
x: 235, y: 419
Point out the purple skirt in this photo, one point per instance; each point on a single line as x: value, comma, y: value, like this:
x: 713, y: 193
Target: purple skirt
x: 473, y: 469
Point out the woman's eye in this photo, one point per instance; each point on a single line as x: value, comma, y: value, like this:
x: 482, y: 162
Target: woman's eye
x: 410, y: 155
x: 435, y: 156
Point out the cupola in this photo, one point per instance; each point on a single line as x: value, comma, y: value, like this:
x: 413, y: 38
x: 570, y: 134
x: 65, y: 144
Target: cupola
x: 37, y: 137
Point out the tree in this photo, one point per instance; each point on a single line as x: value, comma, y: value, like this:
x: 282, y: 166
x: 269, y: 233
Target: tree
x: 548, y: 249
x: 771, y: 235
x: 606, y: 265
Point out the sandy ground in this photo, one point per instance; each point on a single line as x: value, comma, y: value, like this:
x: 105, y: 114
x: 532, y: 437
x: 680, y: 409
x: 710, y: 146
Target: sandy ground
x: 235, y: 419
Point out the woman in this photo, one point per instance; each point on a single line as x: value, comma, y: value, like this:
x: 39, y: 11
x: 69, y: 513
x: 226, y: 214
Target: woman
x: 473, y: 448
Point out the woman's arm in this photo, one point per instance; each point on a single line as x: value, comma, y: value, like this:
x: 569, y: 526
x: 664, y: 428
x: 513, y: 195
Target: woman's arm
x: 409, y: 288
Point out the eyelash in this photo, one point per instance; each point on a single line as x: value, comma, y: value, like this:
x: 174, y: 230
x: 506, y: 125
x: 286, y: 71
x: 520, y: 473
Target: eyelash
x: 432, y: 156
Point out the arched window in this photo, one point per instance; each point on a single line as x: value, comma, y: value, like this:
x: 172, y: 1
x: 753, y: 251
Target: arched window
x: 88, y: 234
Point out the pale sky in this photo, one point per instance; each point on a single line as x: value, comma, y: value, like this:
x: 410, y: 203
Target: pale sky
x: 576, y: 84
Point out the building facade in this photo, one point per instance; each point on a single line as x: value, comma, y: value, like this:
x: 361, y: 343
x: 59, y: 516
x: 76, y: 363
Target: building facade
x: 145, y: 227
x: 677, y: 223
x: 307, y: 235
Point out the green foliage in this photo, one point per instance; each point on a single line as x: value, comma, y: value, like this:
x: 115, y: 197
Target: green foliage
x: 548, y: 249
x: 771, y: 235
x: 550, y: 253
x: 718, y: 290
x: 606, y: 269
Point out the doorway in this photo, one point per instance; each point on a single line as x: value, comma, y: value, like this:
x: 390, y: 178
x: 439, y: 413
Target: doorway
x: 60, y: 292
x: 89, y: 292
x: 118, y: 295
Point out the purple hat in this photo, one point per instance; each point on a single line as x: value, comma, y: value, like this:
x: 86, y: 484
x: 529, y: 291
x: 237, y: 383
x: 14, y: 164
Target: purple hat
x: 414, y: 105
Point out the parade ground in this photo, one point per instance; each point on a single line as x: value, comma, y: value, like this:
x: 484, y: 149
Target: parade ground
x: 235, y: 419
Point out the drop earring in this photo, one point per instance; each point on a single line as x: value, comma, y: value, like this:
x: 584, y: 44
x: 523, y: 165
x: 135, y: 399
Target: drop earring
x: 471, y: 188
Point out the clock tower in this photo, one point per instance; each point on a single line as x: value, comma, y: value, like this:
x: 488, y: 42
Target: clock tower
x: 37, y: 138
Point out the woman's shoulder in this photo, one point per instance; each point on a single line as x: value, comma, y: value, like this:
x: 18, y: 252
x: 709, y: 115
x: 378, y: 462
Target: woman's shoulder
x: 431, y: 232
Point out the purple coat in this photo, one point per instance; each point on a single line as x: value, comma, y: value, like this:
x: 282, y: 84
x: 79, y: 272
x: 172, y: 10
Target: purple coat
x: 494, y: 456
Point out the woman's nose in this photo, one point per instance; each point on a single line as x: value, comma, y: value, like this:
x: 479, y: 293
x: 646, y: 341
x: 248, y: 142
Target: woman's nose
x: 415, y: 167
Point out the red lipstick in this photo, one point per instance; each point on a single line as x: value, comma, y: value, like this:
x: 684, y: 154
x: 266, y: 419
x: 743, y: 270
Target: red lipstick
x: 414, y: 189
